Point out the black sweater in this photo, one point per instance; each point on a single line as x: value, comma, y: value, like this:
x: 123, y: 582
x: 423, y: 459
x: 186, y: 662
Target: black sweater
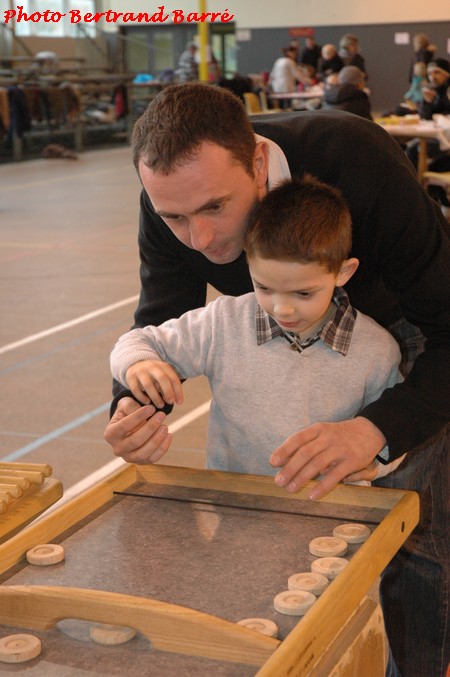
x: 398, y: 236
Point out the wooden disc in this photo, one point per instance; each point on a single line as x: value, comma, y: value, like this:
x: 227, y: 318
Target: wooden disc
x: 45, y: 554
x: 308, y: 581
x: 328, y: 546
x: 329, y: 566
x: 263, y: 625
x: 19, y: 648
x: 111, y: 634
x: 293, y: 602
x: 352, y: 533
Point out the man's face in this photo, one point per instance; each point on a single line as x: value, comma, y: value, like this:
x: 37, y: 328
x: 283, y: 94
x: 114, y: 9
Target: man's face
x: 206, y: 201
x: 437, y: 77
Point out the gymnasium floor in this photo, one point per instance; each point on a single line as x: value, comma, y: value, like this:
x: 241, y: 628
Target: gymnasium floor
x: 69, y: 285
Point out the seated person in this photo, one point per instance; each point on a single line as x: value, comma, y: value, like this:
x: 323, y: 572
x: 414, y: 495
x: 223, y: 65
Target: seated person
x: 330, y: 62
x: 292, y: 353
x: 349, y: 53
x: 414, y: 97
x: 347, y: 93
x: 435, y: 100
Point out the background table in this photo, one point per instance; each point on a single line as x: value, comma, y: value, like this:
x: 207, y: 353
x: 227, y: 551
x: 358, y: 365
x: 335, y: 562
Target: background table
x: 424, y: 130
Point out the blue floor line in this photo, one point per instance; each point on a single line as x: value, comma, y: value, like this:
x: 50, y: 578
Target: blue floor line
x: 54, y: 434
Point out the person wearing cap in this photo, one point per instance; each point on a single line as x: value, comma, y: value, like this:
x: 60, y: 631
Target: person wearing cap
x: 348, y: 93
x: 436, y: 99
x: 436, y: 93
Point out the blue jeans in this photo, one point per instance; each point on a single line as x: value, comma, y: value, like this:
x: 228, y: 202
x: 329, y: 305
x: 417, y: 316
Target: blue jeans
x: 414, y: 588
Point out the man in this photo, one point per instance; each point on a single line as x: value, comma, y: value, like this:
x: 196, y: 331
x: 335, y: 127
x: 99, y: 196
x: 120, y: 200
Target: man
x: 435, y: 95
x: 435, y: 100
x: 203, y: 171
x: 311, y: 54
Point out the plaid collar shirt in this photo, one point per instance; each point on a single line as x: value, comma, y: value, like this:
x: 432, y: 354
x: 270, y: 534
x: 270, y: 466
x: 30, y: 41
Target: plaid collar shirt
x: 336, y: 333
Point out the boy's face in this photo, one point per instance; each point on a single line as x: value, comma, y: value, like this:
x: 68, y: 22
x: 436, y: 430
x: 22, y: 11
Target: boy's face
x: 295, y: 295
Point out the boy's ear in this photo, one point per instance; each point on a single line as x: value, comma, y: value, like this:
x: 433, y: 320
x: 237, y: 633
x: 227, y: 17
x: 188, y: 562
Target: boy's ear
x: 346, y: 271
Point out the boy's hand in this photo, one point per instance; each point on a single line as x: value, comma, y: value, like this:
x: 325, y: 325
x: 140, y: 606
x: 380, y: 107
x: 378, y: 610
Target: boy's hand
x: 331, y: 450
x: 156, y: 382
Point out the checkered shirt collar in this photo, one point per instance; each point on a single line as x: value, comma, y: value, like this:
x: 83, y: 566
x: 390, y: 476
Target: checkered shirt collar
x: 336, y: 333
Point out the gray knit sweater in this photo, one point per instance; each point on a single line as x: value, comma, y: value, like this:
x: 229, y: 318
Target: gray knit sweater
x: 262, y: 394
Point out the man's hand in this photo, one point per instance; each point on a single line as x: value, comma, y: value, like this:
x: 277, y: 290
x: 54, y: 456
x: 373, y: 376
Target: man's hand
x: 136, y: 433
x: 428, y: 94
x: 332, y: 451
x: 154, y: 381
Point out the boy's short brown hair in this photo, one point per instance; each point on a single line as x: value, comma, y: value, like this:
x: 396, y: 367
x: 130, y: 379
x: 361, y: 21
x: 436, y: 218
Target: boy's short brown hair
x: 301, y: 220
x: 184, y: 116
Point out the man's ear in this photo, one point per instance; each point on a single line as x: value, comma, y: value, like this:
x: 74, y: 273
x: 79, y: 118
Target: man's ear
x: 347, y: 269
x: 261, y: 164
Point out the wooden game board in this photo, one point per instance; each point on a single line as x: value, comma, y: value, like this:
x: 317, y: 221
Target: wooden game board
x: 181, y: 555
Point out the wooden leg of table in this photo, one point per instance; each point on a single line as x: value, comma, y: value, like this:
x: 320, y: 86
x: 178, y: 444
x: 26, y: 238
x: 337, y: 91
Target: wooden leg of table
x: 422, y: 160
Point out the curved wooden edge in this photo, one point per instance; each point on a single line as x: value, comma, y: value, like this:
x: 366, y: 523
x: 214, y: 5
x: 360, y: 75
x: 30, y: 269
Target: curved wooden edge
x: 169, y: 627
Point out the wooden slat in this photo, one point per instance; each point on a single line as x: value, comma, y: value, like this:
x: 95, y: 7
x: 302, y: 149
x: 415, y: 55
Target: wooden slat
x: 343, y: 494
x: 33, y: 476
x: 17, y: 481
x: 21, y: 511
x: 45, y: 468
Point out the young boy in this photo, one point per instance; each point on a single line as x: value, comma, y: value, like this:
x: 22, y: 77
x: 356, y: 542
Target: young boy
x: 292, y: 353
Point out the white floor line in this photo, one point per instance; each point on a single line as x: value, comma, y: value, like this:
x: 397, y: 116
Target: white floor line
x: 111, y: 467
x: 67, y: 325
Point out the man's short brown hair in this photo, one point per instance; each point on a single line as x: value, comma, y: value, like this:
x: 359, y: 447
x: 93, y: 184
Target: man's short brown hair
x: 302, y: 220
x: 182, y: 117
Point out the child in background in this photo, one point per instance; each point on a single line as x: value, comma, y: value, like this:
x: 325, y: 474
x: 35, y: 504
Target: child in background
x: 413, y: 97
x: 290, y: 354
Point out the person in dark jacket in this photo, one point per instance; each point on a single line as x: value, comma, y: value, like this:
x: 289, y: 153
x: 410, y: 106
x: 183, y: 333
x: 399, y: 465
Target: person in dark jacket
x: 330, y: 61
x: 350, y: 54
x: 348, y: 93
x: 435, y: 100
x: 203, y: 170
x: 311, y: 53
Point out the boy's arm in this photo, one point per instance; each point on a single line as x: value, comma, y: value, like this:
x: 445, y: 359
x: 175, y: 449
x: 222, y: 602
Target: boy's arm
x: 169, y: 286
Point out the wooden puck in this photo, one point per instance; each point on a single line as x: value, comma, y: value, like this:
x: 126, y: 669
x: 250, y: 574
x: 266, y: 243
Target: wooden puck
x: 352, y: 533
x: 46, y: 554
x: 263, y: 625
x: 328, y: 546
x: 293, y: 602
x: 19, y: 648
x: 111, y: 634
x: 329, y: 566
x: 308, y: 581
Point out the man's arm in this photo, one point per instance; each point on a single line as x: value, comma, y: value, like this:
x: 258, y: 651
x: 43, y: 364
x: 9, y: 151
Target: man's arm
x: 413, y: 256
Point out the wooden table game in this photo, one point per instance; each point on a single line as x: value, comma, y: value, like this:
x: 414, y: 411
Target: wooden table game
x: 181, y: 555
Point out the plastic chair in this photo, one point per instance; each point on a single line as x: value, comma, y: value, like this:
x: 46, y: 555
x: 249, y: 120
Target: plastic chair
x: 265, y: 104
x: 252, y: 103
